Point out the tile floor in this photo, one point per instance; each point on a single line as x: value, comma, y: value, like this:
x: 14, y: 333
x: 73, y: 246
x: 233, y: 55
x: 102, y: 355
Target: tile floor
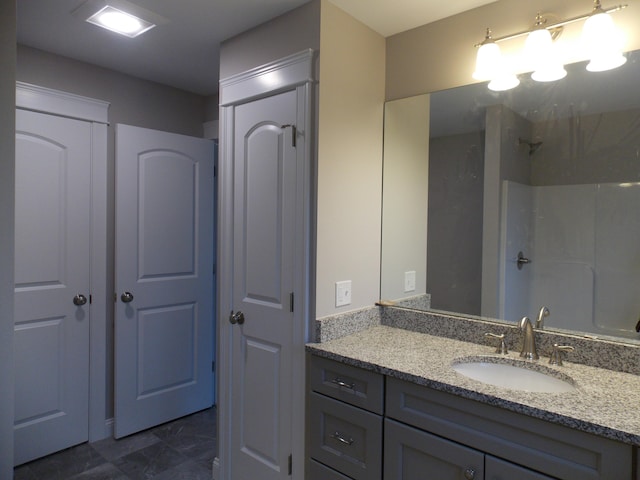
x: 180, y: 450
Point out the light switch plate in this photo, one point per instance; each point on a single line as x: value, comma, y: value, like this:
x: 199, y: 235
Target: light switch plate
x: 409, y: 281
x: 343, y: 293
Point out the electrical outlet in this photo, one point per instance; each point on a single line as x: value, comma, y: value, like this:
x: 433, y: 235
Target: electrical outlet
x: 409, y: 281
x: 343, y: 293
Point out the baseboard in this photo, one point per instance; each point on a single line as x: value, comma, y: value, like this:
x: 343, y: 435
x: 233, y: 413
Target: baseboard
x: 109, y: 426
x: 216, y: 469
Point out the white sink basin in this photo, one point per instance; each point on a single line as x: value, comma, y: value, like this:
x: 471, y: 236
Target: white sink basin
x: 511, y: 376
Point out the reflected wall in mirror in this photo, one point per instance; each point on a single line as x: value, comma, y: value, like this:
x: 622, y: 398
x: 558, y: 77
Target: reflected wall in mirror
x: 550, y: 171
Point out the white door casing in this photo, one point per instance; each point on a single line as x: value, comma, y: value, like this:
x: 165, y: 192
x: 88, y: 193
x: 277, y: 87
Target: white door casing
x: 164, y: 259
x: 264, y: 256
x: 51, y: 267
x: 95, y: 112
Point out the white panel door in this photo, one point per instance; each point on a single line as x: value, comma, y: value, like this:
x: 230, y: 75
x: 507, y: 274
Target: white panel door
x: 263, y: 272
x: 52, y: 267
x: 164, y: 275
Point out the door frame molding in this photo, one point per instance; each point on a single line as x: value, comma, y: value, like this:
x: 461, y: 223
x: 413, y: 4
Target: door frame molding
x: 294, y: 72
x: 96, y: 112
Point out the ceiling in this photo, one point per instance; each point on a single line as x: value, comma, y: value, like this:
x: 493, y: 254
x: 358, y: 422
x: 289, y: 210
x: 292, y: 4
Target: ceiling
x: 184, y: 52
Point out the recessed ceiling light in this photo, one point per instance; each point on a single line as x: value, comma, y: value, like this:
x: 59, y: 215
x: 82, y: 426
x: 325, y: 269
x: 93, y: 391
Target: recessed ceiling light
x: 118, y: 16
x: 120, y: 22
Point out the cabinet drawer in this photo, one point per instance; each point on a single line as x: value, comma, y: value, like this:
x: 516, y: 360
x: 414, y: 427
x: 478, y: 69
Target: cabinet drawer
x: 542, y: 446
x: 358, y: 387
x: 345, y: 438
x: 318, y: 471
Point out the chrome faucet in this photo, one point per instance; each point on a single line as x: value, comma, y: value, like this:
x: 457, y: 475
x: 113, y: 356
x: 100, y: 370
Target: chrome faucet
x: 544, y: 312
x: 529, y: 350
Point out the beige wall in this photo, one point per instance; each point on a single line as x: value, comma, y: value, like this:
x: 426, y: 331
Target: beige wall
x: 7, y: 169
x: 441, y: 55
x: 351, y: 100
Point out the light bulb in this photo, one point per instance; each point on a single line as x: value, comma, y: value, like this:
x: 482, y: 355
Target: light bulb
x: 604, y: 43
x: 487, y: 61
x: 120, y: 21
x: 504, y: 82
x: 544, y: 59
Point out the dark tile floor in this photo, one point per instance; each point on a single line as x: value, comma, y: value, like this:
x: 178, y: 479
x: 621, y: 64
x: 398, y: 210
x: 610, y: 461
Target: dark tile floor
x: 180, y: 450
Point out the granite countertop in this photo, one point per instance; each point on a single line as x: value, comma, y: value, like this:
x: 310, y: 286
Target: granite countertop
x: 604, y: 403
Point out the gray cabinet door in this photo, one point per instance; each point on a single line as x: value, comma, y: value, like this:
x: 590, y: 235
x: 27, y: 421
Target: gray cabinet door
x: 498, y: 469
x: 412, y: 454
x: 318, y: 471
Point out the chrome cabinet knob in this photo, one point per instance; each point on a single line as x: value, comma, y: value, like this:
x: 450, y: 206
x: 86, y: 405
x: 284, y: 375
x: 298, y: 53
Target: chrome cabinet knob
x: 126, y: 297
x: 469, y: 473
x: 237, y: 317
x: 79, y: 300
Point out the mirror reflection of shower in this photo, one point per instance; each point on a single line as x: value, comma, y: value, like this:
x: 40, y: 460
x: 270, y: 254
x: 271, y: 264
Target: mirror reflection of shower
x: 533, y: 146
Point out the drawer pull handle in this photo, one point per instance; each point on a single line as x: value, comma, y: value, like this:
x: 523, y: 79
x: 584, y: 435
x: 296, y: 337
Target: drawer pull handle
x: 341, y: 439
x: 341, y: 383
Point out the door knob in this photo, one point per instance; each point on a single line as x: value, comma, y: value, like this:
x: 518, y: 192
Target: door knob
x: 237, y: 317
x: 79, y: 300
x: 126, y: 297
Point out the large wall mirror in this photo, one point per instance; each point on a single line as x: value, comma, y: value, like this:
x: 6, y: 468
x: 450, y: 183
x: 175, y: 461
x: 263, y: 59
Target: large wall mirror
x: 496, y: 204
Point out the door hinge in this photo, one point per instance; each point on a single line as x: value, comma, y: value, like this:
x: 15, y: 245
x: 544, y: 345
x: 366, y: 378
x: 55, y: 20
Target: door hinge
x: 291, y: 302
x: 294, y: 133
x: 90, y: 299
x: 290, y: 464
x: 213, y: 366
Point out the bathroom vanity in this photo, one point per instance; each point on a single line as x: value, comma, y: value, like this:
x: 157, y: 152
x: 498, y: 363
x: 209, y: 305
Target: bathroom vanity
x: 385, y: 403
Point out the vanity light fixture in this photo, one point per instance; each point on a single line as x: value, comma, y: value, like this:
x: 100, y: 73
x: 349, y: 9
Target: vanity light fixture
x: 600, y: 36
x: 119, y: 16
x: 544, y: 57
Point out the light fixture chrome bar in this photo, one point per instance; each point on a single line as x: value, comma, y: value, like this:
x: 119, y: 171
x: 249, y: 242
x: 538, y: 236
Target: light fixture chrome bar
x: 556, y: 25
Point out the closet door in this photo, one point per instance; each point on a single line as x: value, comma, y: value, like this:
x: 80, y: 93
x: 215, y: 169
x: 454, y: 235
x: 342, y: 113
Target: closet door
x: 164, y: 277
x: 52, y: 276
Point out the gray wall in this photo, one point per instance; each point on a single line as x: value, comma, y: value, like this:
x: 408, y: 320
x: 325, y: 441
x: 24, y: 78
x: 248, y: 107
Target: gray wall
x: 7, y: 163
x: 287, y: 34
x: 597, y: 148
x: 134, y: 102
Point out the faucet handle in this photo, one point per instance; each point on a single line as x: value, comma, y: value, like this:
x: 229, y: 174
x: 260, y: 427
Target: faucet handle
x: 502, y: 347
x: 556, y: 354
x: 544, y: 312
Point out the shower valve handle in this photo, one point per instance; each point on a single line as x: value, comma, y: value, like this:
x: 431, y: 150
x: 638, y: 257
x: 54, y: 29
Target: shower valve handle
x: 522, y: 260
